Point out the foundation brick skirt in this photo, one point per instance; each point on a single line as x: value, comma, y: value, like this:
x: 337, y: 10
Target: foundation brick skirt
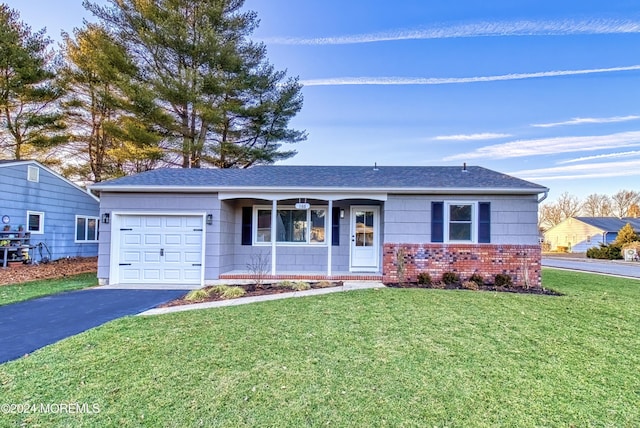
x: 521, y: 262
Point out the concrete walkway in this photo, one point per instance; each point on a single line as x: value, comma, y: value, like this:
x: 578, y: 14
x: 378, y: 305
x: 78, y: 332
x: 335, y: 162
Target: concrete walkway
x: 348, y: 286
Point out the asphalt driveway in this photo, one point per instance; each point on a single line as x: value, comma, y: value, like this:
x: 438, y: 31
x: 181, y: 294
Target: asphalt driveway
x: 32, y: 324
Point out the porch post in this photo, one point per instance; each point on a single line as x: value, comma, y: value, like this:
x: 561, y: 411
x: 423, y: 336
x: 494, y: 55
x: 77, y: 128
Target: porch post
x: 328, y: 230
x: 274, y: 224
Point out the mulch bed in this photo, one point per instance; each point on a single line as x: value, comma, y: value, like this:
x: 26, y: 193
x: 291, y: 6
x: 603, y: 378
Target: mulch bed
x: 250, y: 290
x: 16, y: 273
x: 486, y: 287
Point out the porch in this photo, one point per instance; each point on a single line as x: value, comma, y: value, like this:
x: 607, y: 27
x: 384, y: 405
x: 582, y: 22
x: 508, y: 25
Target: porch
x: 303, y: 276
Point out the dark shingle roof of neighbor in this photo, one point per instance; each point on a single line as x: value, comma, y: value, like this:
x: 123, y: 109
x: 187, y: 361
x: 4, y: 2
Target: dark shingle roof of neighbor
x: 339, y: 177
x: 610, y: 224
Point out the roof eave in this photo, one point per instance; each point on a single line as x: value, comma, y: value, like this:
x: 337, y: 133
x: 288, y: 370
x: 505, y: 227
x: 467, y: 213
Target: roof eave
x: 363, y: 190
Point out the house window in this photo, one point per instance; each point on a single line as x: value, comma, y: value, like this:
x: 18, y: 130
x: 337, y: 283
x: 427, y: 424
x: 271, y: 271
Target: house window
x: 292, y: 226
x: 86, y: 229
x: 588, y: 239
x: 461, y: 222
x: 33, y: 173
x: 459, y: 225
x: 35, y: 222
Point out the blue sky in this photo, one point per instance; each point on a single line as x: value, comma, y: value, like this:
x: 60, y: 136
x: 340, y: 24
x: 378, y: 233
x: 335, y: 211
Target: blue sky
x: 548, y: 91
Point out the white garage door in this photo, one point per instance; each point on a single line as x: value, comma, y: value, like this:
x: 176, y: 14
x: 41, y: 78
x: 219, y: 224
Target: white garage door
x: 160, y: 249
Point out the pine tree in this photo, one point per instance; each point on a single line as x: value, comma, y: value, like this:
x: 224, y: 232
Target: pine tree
x: 29, y: 115
x: 107, y: 139
x: 626, y: 235
x: 227, y: 104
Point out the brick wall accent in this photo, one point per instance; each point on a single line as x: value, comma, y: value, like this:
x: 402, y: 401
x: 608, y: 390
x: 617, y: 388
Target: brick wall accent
x: 519, y: 261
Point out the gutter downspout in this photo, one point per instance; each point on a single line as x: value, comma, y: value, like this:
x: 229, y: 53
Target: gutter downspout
x: 544, y: 196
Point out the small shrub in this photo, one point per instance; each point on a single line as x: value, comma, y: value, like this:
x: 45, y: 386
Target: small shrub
x: 477, y: 278
x: 503, y: 280
x: 300, y: 286
x: 285, y: 284
x: 233, y: 293
x: 424, y: 278
x: 196, y: 295
x: 324, y: 284
x: 218, y: 289
x: 450, y: 278
x: 470, y: 285
x: 606, y: 252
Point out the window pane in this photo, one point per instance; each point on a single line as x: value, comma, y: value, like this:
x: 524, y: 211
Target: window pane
x: 80, y: 229
x: 292, y: 226
x: 460, y: 213
x: 92, y: 229
x: 317, y: 225
x: 34, y: 223
x: 460, y: 232
x: 364, y: 228
x: 264, y: 226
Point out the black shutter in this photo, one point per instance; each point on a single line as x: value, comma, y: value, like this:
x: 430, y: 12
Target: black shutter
x: 335, y: 226
x: 484, y: 222
x: 437, y: 221
x: 247, y: 224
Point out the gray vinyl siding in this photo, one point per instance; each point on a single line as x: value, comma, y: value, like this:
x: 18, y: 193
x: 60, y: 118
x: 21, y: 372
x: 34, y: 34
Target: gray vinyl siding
x: 60, y: 202
x: 513, y: 218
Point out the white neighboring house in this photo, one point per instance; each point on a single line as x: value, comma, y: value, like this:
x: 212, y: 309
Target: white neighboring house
x: 578, y: 234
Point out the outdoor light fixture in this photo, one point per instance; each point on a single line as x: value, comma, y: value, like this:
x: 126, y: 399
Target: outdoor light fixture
x: 209, y: 219
x: 341, y: 213
x: 105, y: 218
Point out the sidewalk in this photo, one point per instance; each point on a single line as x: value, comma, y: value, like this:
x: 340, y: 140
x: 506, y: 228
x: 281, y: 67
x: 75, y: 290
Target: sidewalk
x: 348, y: 286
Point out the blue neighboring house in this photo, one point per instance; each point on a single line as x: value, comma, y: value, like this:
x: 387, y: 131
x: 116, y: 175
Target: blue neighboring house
x: 56, y: 212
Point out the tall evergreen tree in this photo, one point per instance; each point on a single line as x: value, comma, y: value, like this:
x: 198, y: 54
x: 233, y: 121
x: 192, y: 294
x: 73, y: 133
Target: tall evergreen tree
x: 29, y: 115
x: 106, y: 139
x: 227, y: 104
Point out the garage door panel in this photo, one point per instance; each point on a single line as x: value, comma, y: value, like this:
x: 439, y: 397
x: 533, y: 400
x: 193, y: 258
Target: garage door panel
x: 152, y: 257
x: 193, y: 239
x: 151, y: 274
x: 131, y: 257
x: 173, y: 239
x: 130, y: 275
x: 172, y: 257
x: 152, y: 239
x: 143, y: 238
x: 192, y: 275
x: 192, y: 257
x: 152, y: 222
x: 132, y: 239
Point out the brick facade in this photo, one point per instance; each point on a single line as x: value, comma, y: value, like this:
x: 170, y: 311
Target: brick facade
x: 521, y: 262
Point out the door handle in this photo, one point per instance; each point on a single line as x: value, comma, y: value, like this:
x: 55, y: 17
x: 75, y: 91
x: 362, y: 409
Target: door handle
x: 161, y: 252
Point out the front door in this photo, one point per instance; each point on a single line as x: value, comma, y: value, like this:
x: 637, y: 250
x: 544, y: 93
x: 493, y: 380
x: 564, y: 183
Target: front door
x: 364, y: 239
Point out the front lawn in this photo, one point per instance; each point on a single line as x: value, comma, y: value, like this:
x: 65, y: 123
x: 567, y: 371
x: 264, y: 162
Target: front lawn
x: 28, y: 290
x: 391, y: 357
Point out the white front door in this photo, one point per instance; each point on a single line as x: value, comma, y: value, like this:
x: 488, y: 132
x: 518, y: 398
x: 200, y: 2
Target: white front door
x: 157, y: 249
x: 365, y: 248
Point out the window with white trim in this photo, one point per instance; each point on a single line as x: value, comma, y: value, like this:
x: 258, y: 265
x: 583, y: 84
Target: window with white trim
x: 35, y: 222
x: 33, y: 173
x: 293, y: 226
x: 86, y: 229
x: 459, y: 222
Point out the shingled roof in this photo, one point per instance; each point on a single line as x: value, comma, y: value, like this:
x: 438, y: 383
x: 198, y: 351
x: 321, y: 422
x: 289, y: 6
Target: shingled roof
x: 323, y: 177
x: 610, y: 224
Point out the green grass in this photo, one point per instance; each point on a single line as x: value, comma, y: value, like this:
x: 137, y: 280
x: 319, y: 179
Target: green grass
x: 29, y: 290
x: 392, y: 357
